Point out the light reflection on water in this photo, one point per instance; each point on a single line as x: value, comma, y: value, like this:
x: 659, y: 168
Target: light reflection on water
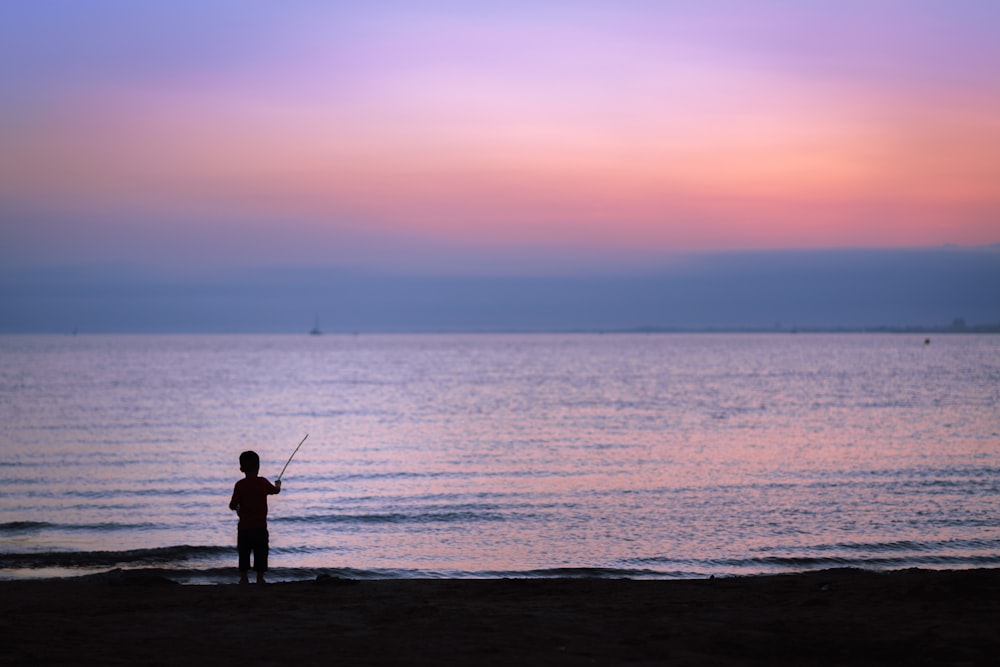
x: 683, y: 454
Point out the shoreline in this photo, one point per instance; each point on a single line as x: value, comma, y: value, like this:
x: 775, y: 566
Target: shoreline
x: 838, y: 616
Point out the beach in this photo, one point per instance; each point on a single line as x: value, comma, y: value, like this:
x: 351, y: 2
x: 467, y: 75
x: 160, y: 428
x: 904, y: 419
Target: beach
x: 830, y: 617
x: 503, y: 500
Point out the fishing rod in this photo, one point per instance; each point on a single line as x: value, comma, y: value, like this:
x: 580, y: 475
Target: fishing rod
x: 291, y: 457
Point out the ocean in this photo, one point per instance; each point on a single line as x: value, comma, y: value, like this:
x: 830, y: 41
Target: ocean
x: 481, y: 455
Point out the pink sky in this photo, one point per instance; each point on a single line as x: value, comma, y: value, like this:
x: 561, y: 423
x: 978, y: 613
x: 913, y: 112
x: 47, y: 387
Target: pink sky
x: 251, y: 134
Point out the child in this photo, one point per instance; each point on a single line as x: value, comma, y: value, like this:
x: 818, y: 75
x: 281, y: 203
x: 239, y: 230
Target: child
x: 250, y: 503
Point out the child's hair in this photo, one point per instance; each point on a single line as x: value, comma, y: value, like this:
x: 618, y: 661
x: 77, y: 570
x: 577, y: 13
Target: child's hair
x: 249, y: 461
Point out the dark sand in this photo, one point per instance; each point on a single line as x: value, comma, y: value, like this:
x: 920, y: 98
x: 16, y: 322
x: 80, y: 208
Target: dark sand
x: 835, y: 617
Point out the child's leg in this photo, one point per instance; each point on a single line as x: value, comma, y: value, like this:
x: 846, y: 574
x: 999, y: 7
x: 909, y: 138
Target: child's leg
x: 244, y: 545
x: 261, y: 549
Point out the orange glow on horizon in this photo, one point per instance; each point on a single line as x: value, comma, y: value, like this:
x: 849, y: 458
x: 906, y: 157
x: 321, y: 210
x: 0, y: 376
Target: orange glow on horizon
x: 700, y: 156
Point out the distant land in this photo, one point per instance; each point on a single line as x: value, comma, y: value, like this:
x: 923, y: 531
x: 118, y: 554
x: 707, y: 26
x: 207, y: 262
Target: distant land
x: 958, y: 326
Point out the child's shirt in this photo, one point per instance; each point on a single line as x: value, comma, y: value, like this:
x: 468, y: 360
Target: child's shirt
x: 250, y: 494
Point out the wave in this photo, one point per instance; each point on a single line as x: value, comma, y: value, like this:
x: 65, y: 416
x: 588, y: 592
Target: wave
x: 25, y: 526
x: 593, y: 573
x: 874, y: 561
x: 795, y: 563
x: 217, y: 575
x: 216, y: 564
x: 335, y: 575
x: 94, y: 559
x: 459, y: 516
x: 17, y: 526
x: 356, y: 574
x: 901, y: 546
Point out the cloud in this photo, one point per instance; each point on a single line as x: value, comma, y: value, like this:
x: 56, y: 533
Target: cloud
x: 757, y: 290
x: 509, y: 138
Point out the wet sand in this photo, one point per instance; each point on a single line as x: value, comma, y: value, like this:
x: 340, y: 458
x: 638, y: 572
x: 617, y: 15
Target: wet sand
x: 834, y: 617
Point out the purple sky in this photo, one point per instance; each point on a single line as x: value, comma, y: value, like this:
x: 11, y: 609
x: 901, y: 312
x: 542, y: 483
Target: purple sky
x: 490, y: 138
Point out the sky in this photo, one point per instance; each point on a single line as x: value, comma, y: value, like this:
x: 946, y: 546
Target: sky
x: 196, y: 147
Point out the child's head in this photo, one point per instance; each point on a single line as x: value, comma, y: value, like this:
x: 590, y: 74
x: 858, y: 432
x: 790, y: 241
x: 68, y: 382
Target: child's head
x: 250, y: 463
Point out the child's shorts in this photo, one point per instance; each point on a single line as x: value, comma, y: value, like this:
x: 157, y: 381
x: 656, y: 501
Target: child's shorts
x: 252, y: 540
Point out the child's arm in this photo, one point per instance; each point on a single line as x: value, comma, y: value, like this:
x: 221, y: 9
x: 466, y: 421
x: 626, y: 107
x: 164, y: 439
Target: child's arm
x: 277, y: 486
x: 234, y: 503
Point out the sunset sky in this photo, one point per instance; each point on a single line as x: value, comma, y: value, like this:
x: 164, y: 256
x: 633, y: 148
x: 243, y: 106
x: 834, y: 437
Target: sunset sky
x: 513, y: 138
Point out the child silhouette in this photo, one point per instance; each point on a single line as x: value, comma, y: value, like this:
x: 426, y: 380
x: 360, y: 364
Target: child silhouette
x: 250, y: 503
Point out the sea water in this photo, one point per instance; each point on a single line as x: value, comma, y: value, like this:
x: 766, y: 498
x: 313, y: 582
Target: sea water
x: 659, y: 455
